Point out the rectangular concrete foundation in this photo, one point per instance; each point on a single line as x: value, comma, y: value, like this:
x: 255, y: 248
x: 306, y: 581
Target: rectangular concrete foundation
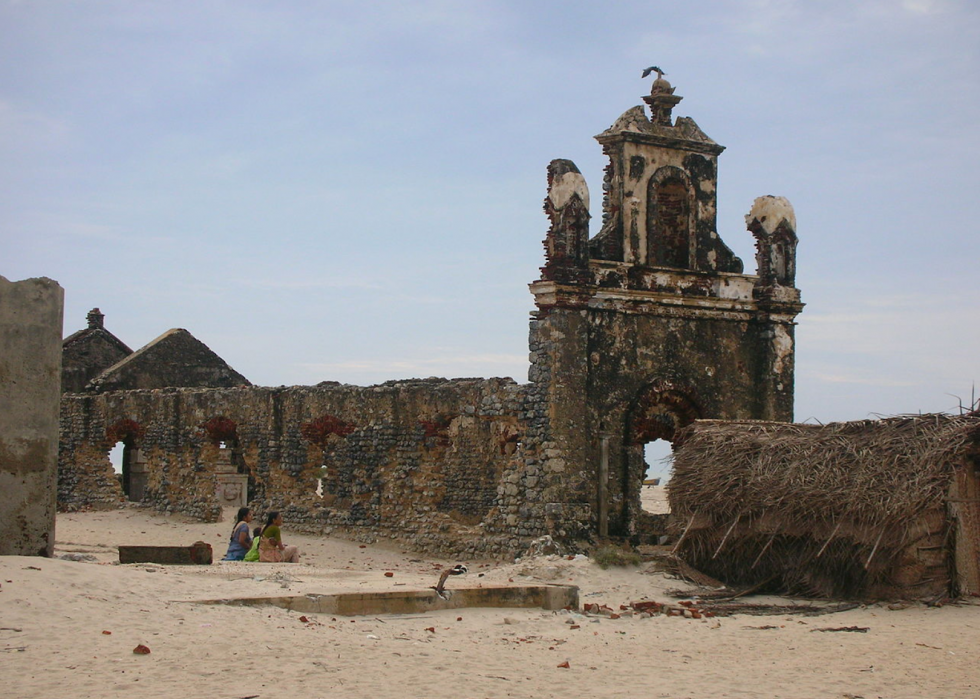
x: 416, y: 601
x: 199, y: 553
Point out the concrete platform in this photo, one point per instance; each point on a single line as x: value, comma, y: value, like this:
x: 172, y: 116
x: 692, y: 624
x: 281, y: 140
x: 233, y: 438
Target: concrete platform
x: 415, y: 601
x: 199, y: 553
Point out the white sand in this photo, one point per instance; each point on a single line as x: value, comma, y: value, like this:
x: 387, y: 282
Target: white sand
x: 54, y: 613
x: 653, y: 499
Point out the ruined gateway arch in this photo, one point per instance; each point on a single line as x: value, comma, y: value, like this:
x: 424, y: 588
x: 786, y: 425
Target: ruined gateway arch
x: 652, y: 323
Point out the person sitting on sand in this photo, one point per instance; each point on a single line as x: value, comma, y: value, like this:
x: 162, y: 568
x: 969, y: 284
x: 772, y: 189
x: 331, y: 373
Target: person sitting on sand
x: 241, y: 540
x: 271, y: 549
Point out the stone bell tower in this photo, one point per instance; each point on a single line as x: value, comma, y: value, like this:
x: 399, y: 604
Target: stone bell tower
x: 660, y: 201
x: 652, y: 323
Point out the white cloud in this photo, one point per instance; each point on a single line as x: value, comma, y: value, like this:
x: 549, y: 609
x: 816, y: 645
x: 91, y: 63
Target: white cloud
x: 300, y: 284
x: 847, y: 377
x: 923, y: 7
x: 889, y: 353
x: 22, y: 128
x: 48, y: 227
x: 450, y: 365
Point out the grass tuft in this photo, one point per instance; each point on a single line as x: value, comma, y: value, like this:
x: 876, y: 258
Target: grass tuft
x: 606, y: 556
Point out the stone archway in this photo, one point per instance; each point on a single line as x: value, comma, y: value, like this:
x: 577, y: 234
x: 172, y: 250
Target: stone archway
x: 660, y: 410
x: 132, y: 471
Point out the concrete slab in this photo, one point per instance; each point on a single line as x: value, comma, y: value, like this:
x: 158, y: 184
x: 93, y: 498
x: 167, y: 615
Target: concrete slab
x: 415, y: 601
x: 198, y: 553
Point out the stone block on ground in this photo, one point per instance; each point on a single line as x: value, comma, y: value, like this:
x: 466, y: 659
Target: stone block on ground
x: 199, y: 553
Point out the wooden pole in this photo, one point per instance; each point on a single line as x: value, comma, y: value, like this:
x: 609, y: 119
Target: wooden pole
x: 868, y: 562
x: 827, y: 542
x: 725, y: 538
x: 604, y: 487
x: 681, y: 540
x: 764, y: 549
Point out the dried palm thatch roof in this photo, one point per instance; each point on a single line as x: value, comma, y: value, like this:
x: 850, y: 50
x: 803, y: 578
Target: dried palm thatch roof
x: 819, y: 509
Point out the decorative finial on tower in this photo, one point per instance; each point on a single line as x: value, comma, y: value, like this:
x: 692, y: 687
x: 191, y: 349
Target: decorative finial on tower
x: 95, y: 318
x: 661, y: 100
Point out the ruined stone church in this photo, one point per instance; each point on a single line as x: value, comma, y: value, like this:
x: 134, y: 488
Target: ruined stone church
x: 638, y: 330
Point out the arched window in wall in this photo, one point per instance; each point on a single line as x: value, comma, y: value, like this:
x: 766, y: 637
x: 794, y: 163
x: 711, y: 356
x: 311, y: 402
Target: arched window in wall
x: 122, y: 444
x: 669, y: 225
x: 660, y: 411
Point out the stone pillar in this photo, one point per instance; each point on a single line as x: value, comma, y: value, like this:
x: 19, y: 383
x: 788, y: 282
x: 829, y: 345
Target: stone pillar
x: 30, y: 393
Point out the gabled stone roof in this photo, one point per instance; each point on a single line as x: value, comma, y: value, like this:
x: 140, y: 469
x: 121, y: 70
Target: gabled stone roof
x: 87, y: 353
x: 77, y: 340
x: 175, y: 359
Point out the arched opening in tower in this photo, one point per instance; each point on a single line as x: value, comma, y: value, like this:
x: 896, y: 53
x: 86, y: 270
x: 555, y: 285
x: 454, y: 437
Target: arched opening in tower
x: 661, y: 410
x: 658, y: 457
x: 669, y: 243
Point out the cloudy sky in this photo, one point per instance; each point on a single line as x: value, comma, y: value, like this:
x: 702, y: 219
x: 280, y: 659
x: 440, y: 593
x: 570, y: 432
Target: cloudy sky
x: 352, y: 191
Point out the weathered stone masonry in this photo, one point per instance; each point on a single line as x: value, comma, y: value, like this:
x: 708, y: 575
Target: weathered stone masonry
x: 651, y: 324
x: 431, y: 460
x: 638, y: 331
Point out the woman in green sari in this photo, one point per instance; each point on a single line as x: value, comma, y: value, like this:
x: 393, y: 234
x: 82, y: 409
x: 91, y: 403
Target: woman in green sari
x: 271, y: 548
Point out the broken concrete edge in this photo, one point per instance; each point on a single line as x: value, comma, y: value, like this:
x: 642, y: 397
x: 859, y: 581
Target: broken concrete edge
x: 549, y: 597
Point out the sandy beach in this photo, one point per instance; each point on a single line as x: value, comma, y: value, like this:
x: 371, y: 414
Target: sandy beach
x: 69, y: 627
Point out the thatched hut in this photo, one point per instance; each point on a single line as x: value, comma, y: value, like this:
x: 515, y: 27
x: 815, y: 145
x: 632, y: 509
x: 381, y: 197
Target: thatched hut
x: 877, y: 509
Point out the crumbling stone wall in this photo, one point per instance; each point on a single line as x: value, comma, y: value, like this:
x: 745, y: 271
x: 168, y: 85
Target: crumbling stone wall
x: 30, y: 380
x: 429, y: 461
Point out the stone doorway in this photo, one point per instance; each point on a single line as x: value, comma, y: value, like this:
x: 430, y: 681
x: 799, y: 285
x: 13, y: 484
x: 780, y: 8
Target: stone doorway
x: 658, y: 462
x: 659, y: 412
x: 130, y: 467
